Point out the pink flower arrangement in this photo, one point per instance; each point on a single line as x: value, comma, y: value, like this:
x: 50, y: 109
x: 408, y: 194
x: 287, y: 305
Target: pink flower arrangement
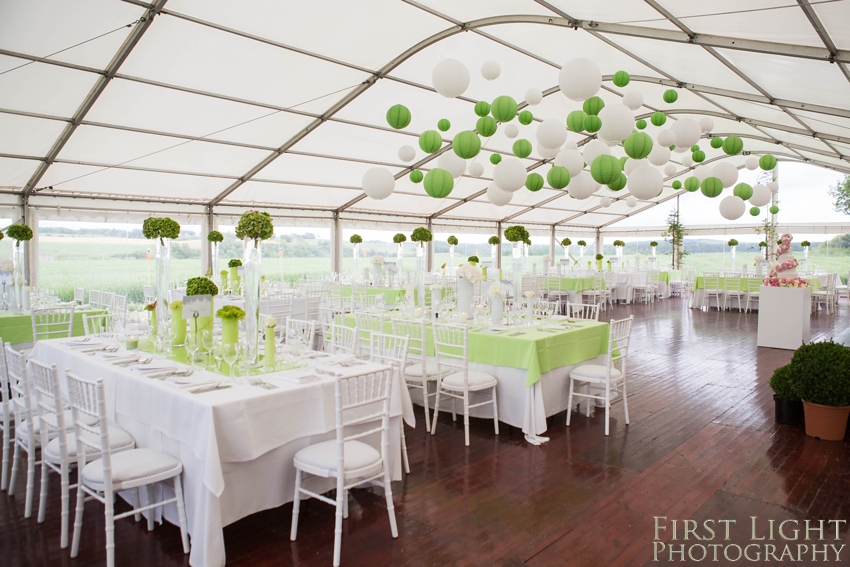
x: 784, y: 244
x: 784, y: 266
x: 784, y: 282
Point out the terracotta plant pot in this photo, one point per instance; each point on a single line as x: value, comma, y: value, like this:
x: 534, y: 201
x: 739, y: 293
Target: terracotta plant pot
x: 789, y: 412
x: 827, y: 423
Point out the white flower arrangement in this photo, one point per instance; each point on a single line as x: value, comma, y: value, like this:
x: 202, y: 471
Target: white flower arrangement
x: 469, y: 272
x: 547, y: 258
x: 495, y: 289
x: 638, y: 256
x: 529, y: 294
x: 378, y: 260
x: 271, y: 322
x: 759, y: 258
x: 436, y: 287
x: 6, y: 265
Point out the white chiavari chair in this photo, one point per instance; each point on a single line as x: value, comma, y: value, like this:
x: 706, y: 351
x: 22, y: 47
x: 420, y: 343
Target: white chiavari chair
x: 97, y: 324
x: 300, y: 331
x: 392, y: 350
x: 340, y: 339
x: 52, y: 323
x: 583, y: 311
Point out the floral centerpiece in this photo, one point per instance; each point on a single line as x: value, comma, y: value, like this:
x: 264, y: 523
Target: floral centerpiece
x: 473, y: 260
x: 254, y: 227
x: 214, y: 238
x: 653, y: 246
x: 421, y: 236
x: 268, y: 335
x: 178, y: 324
x: 599, y: 258
x: 497, y: 302
x: 234, y: 265
x: 356, y: 240
x: 19, y: 233
x: 494, y: 242
x: 162, y: 230
x: 547, y: 261
x: 618, y: 247
x: 203, y: 286
x: 377, y: 267
x: 230, y: 315
x: 516, y: 235
x: 467, y: 276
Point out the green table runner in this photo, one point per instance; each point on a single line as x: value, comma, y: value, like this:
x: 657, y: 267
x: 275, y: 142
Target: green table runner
x: 536, y: 350
x: 670, y: 275
x: 570, y: 284
x: 747, y: 284
x: 16, y: 326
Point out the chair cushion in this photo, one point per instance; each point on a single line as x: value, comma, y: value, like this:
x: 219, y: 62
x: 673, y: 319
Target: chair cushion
x: 119, y: 440
x: 432, y: 369
x: 595, y: 373
x: 358, y: 457
x: 22, y: 429
x: 477, y: 380
x: 132, y: 465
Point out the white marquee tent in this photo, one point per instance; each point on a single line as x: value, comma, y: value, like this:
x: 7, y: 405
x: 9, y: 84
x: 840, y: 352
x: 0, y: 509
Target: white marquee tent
x: 114, y: 110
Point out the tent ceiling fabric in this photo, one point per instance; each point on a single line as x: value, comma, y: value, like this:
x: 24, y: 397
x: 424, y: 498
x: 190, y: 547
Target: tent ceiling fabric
x: 203, y: 103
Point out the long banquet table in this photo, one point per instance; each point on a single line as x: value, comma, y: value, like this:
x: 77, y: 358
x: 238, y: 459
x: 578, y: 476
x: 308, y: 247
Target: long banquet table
x: 533, y: 369
x: 747, y: 285
x: 236, y: 445
x: 16, y: 326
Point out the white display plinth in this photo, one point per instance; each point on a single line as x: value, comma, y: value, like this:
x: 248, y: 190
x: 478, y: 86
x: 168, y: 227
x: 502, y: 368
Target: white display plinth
x: 784, y: 314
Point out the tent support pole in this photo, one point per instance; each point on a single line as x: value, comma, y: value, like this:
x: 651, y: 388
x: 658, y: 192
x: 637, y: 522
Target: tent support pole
x: 429, y: 250
x: 499, y: 245
x: 336, y: 244
x: 30, y: 218
x: 552, y: 243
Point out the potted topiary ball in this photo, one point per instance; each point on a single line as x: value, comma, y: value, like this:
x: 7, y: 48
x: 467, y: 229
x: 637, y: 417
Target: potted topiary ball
x: 820, y: 375
x: 788, y: 406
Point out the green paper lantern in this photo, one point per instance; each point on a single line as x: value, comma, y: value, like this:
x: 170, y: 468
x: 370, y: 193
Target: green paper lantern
x: 621, y: 79
x: 733, y: 145
x: 439, y: 183
x: 443, y: 125
x: 605, y: 169
x: 486, y: 126
x: 755, y: 211
x: 575, y: 121
x: 743, y: 190
x: 774, y: 210
x: 695, y: 148
x: 430, y: 141
x: 482, y: 108
x: 593, y: 105
x: 698, y: 156
x: 711, y: 187
x: 623, y: 161
x: 638, y: 145
x: 398, y: 116
x: 670, y: 96
x: 692, y: 184
x: 640, y: 124
x: 767, y: 162
x: 534, y: 182
x: 658, y: 118
x: 526, y: 117
x: 592, y: 123
x: 716, y: 143
x: 466, y: 144
x: 503, y: 108
x: 416, y: 176
x: 676, y: 184
x: 522, y: 148
x: 619, y: 183
x: 558, y: 177
x: 495, y: 158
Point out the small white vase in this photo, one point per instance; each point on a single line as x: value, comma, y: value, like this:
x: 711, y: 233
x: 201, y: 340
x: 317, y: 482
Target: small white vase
x: 464, y: 296
x: 497, y: 306
x: 529, y: 312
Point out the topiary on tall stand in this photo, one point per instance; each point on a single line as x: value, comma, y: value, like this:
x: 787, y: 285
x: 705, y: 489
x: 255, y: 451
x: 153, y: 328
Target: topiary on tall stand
x: 214, y: 238
x: 421, y: 236
x: 162, y: 230
x: 253, y: 228
x: 20, y: 233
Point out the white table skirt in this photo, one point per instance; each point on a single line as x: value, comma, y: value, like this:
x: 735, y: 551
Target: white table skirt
x: 521, y: 406
x: 236, y: 445
x: 698, y: 297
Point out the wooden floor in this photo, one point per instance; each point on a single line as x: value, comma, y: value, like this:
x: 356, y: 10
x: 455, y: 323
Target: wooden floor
x: 702, y: 444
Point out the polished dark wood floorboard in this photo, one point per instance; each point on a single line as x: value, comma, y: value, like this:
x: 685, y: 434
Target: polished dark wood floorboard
x: 702, y: 444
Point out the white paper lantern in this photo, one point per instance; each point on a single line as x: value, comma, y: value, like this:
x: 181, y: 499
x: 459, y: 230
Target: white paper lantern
x: 378, y: 183
x: 659, y: 155
x: 732, y: 207
x: 773, y: 186
x: 452, y: 163
x: 593, y: 149
x: 570, y: 145
x: 406, y: 153
x: 687, y: 161
x: 633, y: 164
x: 547, y: 153
x: 645, y: 182
x: 491, y: 70
x: 497, y: 196
x: 706, y: 124
x: 670, y: 169
x: 761, y: 196
x: 752, y: 163
x: 450, y: 78
x: 631, y: 202
x: 571, y: 159
x: 633, y: 99
x: 681, y: 149
x: 726, y: 173
x: 666, y: 137
x: 605, y: 202
x: 533, y: 96
x: 702, y: 172
x: 510, y: 174
x: 511, y: 131
x: 617, y: 122
x: 582, y: 186
x: 687, y: 132
x: 580, y: 79
x: 551, y: 133
x: 476, y: 169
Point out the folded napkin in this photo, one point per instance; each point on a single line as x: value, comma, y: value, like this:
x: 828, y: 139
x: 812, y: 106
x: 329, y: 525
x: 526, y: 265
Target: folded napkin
x: 341, y: 358
x: 81, y: 343
x: 123, y: 360
x: 189, y: 382
x: 147, y: 368
x: 301, y: 376
x: 553, y: 327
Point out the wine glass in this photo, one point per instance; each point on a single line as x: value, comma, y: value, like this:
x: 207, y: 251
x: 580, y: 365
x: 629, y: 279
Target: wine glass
x: 207, y: 342
x: 230, y: 353
x: 192, y: 347
x: 218, y: 353
x: 380, y: 300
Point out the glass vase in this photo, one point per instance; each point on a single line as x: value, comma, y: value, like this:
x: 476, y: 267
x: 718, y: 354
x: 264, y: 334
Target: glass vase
x: 619, y: 250
x: 494, y: 253
x: 214, y: 261
x: 399, y: 259
x: 516, y: 256
x: 451, y: 259
x: 733, y: 257
x: 251, y: 275
x: 19, y: 271
x: 356, y: 255
x: 163, y: 271
x: 653, y: 251
x: 420, y: 274
x: 525, y: 250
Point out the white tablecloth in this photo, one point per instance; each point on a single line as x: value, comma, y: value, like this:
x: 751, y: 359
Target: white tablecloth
x: 236, y: 445
x: 624, y: 282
